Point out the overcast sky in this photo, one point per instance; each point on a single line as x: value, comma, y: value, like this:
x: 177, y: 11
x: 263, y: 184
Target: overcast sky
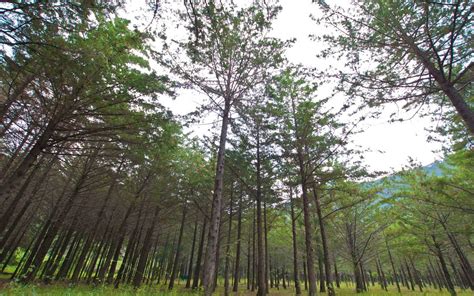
x: 399, y: 141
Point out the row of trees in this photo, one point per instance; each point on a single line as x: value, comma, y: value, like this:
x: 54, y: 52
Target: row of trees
x: 100, y: 184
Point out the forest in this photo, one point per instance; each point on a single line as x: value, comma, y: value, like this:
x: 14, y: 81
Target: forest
x: 106, y: 190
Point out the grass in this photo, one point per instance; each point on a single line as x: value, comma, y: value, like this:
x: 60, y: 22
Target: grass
x: 62, y: 289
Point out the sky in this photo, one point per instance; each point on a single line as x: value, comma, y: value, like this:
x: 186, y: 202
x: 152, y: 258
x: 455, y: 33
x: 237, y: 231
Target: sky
x: 391, y: 144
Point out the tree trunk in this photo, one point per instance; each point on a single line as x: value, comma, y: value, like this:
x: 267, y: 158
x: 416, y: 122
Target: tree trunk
x: 393, y: 266
x: 215, y: 220
x: 248, y: 262
x: 416, y: 275
x: 306, y: 214
x: 137, y: 280
x: 461, y: 106
x: 322, y: 286
x: 265, y: 229
x: 338, y: 279
x: 178, y: 250
x: 295, y: 247
x: 261, y: 285
x: 129, y: 249
x: 444, y: 268
x: 305, y: 274
x: 197, y: 269
x: 326, y: 254
x: 5, y: 218
x: 410, y: 277
x: 227, y: 249
x: 14, y: 180
x: 237, y: 251
x: 95, y: 226
x: 465, y: 264
x: 114, y: 251
x: 191, y: 256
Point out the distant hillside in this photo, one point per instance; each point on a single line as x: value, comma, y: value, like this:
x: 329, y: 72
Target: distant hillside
x: 433, y: 169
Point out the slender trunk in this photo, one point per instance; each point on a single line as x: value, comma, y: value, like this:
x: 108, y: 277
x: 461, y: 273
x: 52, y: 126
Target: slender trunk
x: 191, y: 256
x: 95, y: 226
x: 306, y: 213
x: 261, y: 285
x: 433, y: 276
x: 8, y: 213
x: 69, y: 259
x: 459, y: 103
x: 215, y: 221
x: 305, y: 274
x: 254, y: 260
x: 295, y: 247
x: 137, y: 280
x: 383, y: 280
x: 56, y: 224
x: 465, y: 264
x: 322, y: 286
x: 129, y: 249
x: 410, y: 277
x: 338, y: 279
x: 393, y: 266
x: 14, y: 180
x: 14, y: 244
x: 178, y: 249
x: 265, y: 228
x: 237, y: 251
x: 444, y: 268
x: 416, y: 275
x: 227, y: 249
x: 197, y: 269
x: 248, y: 262
x: 326, y: 254
x: 114, y: 251
x: 16, y: 222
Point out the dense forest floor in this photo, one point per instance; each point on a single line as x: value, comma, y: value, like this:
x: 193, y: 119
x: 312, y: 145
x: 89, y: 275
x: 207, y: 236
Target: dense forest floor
x: 9, y: 288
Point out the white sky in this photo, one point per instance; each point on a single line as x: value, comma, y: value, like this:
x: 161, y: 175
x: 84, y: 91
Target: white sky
x: 399, y: 140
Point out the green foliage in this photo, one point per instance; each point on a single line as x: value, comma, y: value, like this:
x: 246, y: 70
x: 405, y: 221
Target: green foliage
x: 405, y: 51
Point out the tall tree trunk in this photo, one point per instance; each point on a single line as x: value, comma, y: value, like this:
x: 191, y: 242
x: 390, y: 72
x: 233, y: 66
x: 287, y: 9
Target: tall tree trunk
x: 178, y: 249
x: 462, y: 107
x: 197, y: 269
x: 306, y: 213
x: 56, y: 224
x: 305, y: 274
x: 261, y: 285
x: 410, y: 277
x: 215, y: 220
x: 191, y: 256
x: 465, y: 264
x: 114, y: 251
x: 416, y: 275
x: 322, y: 286
x: 239, y: 243
x: 265, y: 228
x: 248, y: 262
x: 8, y: 213
x: 137, y: 280
x: 444, y: 268
x: 324, y: 241
x: 393, y: 266
x: 338, y: 279
x: 295, y: 247
x: 227, y: 249
x: 14, y: 180
x: 95, y: 227
x: 129, y: 249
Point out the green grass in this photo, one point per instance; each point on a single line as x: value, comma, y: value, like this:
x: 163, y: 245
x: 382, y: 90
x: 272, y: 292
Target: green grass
x: 83, y: 290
